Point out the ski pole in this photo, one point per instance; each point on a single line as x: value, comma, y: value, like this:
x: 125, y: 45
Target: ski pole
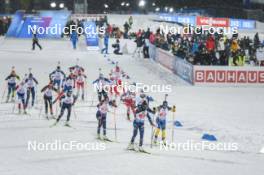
x: 86, y: 90
x: 3, y: 96
x: 13, y: 109
x: 115, y: 124
x: 173, y: 118
x: 74, y: 113
x: 152, y: 136
x: 152, y: 130
x: 40, y: 110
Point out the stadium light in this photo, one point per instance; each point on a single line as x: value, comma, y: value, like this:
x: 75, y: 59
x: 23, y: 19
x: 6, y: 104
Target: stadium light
x: 106, y: 6
x: 166, y: 8
x: 142, y: 3
x: 123, y: 4
x: 157, y: 9
x: 127, y: 4
x: 153, y: 4
x: 53, y: 5
x: 171, y: 10
x: 61, y: 5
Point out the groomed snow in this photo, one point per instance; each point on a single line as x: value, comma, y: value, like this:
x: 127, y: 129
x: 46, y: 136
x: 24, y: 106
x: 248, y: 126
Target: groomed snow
x: 231, y: 114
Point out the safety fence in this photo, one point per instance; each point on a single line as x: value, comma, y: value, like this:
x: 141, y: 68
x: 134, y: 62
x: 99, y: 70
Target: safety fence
x: 208, y: 75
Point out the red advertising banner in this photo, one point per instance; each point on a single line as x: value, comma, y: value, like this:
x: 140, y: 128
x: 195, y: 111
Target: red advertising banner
x: 214, y: 22
x: 229, y: 76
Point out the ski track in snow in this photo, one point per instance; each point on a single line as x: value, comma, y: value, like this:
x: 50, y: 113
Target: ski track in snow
x: 232, y: 114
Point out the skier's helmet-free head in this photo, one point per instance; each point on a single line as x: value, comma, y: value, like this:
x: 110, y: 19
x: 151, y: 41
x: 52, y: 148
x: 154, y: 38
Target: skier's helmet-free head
x: 13, y: 72
x: 101, y: 75
x: 106, y: 98
x: 30, y: 75
x: 117, y: 68
x: 58, y: 67
x: 165, y: 104
x: 119, y: 82
x: 144, y: 105
x: 50, y: 84
x: 142, y: 95
x: 69, y: 93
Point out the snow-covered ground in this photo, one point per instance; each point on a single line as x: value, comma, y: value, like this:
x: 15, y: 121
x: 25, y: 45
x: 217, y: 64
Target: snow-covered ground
x: 231, y: 114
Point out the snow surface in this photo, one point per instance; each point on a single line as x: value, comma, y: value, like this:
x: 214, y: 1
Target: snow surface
x: 231, y: 114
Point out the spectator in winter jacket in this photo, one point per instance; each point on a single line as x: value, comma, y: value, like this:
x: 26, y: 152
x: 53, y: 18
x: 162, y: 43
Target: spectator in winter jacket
x: 234, y: 47
x: 139, y: 41
x: 126, y: 29
x: 130, y: 21
x: 106, y: 43
x: 210, y: 44
x: 152, y: 38
x: 116, y: 47
x: 256, y: 41
x: 221, y: 49
x: 74, y: 39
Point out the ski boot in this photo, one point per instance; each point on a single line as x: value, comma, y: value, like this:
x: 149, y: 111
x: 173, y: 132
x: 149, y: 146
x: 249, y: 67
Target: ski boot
x: 54, y: 124
x: 7, y: 99
x: 52, y: 116
x: 67, y: 124
x: 155, y: 141
x: 98, y: 137
x: 164, y: 142
x: 105, y: 138
x: 47, y: 116
x: 131, y: 146
x: 140, y: 149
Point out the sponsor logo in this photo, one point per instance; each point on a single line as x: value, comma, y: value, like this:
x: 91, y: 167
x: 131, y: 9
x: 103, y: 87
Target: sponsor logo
x: 215, y: 22
x: 229, y: 76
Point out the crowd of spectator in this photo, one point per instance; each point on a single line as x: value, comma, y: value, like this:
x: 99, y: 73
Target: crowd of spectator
x: 198, y: 49
x: 205, y: 49
x: 4, y: 24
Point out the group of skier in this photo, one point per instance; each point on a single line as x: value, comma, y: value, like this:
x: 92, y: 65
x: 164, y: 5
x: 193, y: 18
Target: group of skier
x: 65, y: 91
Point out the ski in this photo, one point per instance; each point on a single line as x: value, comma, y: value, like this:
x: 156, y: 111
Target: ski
x: 104, y: 139
x: 69, y: 126
x: 138, y: 151
x: 53, y: 125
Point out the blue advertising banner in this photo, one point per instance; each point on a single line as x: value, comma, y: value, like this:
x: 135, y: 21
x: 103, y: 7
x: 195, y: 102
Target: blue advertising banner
x: 59, y: 21
x: 191, y: 20
x: 183, y: 69
x: 17, y: 22
x: 35, y: 23
x: 184, y: 19
x: 91, y: 35
x: 49, y: 24
x: 243, y: 23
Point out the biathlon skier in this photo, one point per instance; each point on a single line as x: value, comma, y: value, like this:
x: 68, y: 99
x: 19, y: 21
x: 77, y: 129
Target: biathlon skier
x: 67, y: 101
x: 31, y: 82
x: 57, y: 77
x: 47, y: 90
x: 11, y: 85
x: 101, y: 115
